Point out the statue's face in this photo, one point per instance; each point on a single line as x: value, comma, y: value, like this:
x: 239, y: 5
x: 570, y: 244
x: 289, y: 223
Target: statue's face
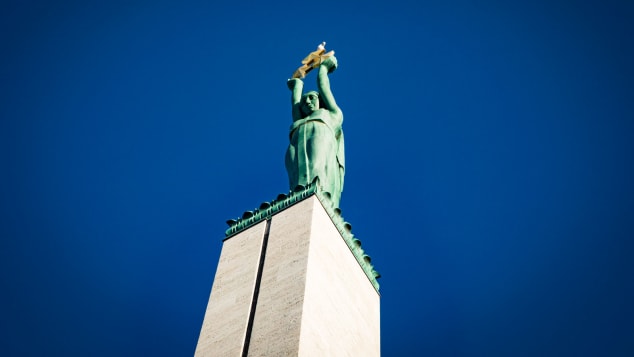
x: 310, y: 103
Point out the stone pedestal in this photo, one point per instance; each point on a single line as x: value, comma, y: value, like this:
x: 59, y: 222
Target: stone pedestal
x: 291, y: 286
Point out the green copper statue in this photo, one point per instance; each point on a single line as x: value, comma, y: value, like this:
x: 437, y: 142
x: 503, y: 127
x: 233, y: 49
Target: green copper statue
x: 316, y: 147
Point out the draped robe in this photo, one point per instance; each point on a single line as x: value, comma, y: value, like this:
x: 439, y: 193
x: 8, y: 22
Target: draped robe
x: 316, y: 149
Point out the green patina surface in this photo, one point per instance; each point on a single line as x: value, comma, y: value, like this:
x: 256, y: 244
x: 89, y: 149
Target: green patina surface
x: 316, y: 141
x: 283, y: 201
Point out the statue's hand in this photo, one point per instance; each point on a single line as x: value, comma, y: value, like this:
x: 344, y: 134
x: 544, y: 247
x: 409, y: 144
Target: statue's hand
x: 291, y: 83
x: 330, y: 63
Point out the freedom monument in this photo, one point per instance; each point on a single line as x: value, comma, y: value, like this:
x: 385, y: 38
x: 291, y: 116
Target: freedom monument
x: 292, y: 279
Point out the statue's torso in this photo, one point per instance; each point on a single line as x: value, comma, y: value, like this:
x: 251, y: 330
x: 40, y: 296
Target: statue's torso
x: 321, y: 117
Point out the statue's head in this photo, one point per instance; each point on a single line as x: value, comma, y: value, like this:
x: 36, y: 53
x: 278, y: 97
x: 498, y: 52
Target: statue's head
x: 310, y: 103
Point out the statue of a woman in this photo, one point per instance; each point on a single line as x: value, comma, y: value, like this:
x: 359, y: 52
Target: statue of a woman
x: 316, y: 140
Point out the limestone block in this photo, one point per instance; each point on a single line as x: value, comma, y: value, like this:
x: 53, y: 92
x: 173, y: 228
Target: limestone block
x: 225, y: 323
x: 314, y: 298
x: 278, y: 313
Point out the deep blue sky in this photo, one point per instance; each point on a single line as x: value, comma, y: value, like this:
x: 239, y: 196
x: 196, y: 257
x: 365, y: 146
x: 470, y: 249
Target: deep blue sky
x: 489, y: 150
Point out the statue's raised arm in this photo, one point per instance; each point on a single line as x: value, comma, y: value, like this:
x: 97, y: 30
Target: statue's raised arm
x: 316, y: 147
x: 323, y: 84
x: 296, y: 86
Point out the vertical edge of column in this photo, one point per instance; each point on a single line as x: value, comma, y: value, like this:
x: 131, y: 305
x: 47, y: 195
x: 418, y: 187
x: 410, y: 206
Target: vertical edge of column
x: 341, y: 312
x: 277, y: 322
x: 230, y: 302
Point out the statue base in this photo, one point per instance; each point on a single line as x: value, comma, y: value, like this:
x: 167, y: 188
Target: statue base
x: 290, y: 285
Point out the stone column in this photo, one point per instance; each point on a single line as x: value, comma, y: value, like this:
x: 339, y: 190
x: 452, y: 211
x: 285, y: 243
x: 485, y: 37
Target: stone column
x: 309, y: 295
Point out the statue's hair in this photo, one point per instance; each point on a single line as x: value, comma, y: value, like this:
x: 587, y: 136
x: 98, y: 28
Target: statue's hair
x: 322, y: 104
